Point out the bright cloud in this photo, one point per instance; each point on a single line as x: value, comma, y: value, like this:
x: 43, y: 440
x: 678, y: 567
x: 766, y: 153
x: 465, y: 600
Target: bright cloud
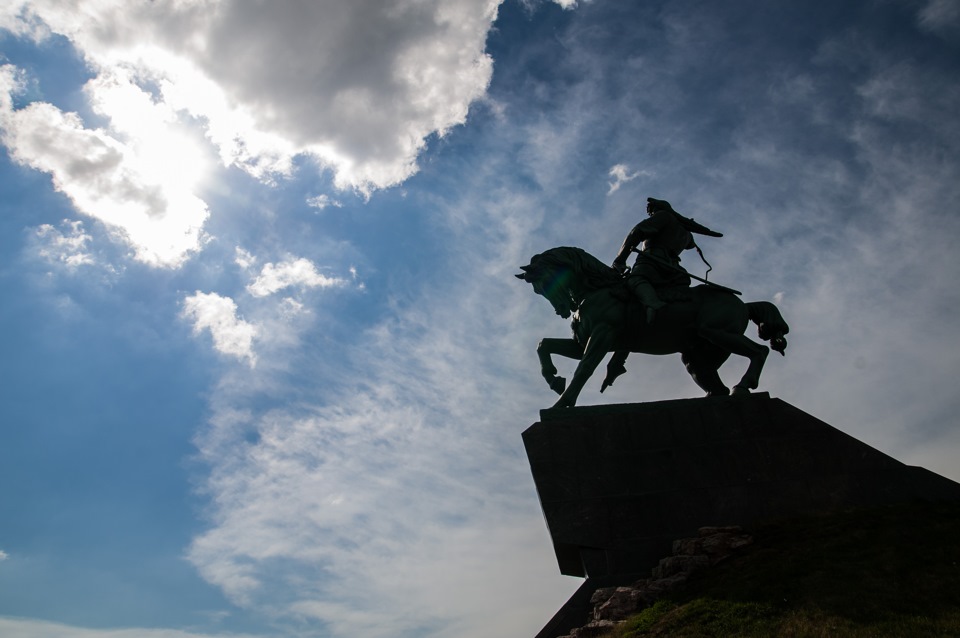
x: 140, y: 189
x: 231, y: 335
x: 361, y: 86
x: 293, y: 272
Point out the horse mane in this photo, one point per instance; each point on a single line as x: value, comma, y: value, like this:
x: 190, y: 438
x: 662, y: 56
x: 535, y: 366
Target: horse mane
x: 593, y: 273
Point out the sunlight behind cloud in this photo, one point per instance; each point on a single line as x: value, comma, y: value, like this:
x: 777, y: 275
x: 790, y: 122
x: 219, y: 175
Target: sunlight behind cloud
x: 140, y: 189
x: 363, y: 111
x: 164, y: 149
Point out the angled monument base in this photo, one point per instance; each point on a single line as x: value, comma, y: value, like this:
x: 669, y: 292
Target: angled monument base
x: 619, y: 483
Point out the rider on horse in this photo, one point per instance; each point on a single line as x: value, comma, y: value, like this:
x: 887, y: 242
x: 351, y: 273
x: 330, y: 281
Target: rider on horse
x: 665, y: 234
x: 656, y: 276
x: 705, y: 330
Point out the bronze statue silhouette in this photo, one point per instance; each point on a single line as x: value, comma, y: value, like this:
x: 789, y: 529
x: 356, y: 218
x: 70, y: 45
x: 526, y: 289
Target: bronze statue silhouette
x: 705, y: 327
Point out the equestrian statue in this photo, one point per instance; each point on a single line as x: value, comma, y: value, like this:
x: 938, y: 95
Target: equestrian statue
x: 649, y: 309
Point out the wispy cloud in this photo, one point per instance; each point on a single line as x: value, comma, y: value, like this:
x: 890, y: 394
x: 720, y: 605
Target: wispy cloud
x: 942, y: 16
x: 383, y: 506
x: 323, y: 201
x: 244, y: 258
x: 621, y: 175
x: 66, y: 245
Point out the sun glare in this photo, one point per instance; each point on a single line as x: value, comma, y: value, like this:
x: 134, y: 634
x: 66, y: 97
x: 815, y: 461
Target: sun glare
x: 164, y: 162
x: 162, y: 148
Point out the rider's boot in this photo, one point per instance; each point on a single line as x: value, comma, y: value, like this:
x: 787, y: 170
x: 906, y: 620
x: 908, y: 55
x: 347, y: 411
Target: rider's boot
x: 615, y: 368
x: 647, y: 296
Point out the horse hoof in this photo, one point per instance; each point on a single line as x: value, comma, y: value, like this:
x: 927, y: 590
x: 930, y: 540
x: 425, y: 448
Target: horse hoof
x: 740, y: 391
x: 558, y: 385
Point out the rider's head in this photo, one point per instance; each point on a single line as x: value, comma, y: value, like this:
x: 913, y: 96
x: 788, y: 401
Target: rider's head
x: 655, y: 205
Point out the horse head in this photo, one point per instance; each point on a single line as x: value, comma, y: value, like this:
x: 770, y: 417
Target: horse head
x: 551, y: 281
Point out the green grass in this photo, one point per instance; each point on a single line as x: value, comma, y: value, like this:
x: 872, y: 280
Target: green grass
x: 891, y: 571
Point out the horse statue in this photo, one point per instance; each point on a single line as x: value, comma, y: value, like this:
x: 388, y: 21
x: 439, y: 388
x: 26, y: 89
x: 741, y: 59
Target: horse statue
x: 706, y: 328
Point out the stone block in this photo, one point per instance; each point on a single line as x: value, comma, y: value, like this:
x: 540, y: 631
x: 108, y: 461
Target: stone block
x: 619, y: 483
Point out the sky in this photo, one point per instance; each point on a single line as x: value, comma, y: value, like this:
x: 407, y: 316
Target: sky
x: 265, y: 365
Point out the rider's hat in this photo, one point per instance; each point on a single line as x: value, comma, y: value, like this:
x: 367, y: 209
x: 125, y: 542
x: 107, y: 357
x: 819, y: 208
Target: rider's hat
x: 687, y: 222
x: 659, y: 204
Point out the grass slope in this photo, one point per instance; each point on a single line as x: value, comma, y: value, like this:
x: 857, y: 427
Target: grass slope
x: 891, y: 571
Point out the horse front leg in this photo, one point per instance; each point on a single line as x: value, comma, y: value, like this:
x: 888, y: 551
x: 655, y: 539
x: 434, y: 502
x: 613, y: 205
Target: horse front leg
x: 598, y: 345
x: 565, y: 348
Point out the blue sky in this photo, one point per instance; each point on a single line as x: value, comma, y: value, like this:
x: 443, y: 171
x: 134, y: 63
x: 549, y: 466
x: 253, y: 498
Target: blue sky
x: 265, y: 365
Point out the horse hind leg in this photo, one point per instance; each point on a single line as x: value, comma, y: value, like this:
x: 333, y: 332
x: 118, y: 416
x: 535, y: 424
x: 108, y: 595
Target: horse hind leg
x: 770, y: 323
x: 703, y: 370
x: 735, y: 343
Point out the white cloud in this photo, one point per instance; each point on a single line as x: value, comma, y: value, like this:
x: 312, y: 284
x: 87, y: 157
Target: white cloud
x: 231, y: 335
x: 244, y: 258
x: 360, y: 84
x: 140, y: 189
x: 322, y: 201
x: 621, y: 175
x: 66, y: 245
x: 3, y: 555
x: 292, y: 272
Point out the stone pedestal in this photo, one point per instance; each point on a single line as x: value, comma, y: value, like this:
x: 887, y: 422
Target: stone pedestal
x: 619, y: 483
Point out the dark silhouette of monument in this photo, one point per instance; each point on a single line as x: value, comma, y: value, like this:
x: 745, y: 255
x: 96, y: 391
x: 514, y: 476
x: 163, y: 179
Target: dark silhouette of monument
x: 619, y: 483
x: 705, y: 327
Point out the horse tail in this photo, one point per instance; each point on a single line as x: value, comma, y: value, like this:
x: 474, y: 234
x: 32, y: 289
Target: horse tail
x: 770, y: 324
